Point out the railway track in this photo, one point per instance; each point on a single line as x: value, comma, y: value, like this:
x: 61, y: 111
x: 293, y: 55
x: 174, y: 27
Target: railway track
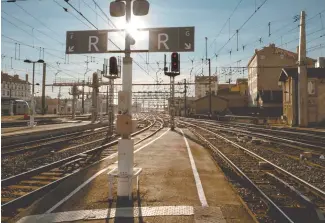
x: 271, y: 192
x: 290, y: 157
x: 47, y: 142
x: 309, y: 142
x: 21, y: 190
x: 54, y: 142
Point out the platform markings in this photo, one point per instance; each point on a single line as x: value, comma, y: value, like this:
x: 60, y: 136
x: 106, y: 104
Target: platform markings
x: 99, y: 214
x: 96, y: 175
x: 197, y: 179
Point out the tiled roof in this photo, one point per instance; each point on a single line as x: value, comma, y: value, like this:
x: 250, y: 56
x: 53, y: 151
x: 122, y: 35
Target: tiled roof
x: 8, y: 78
x: 212, y: 96
x: 293, y: 72
x: 278, y: 50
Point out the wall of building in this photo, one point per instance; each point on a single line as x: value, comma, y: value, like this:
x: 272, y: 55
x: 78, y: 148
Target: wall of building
x: 202, y: 86
x: 252, y: 82
x: 236, y: 100
x: 288, y: 94
x: 321, y: 99
x: 217, y: 105
x: 270, y: 60
x: 316, y: 99
x: 15, y: 90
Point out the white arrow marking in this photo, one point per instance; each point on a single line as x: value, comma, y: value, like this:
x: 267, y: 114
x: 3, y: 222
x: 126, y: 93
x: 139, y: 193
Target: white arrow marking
x: 71, y: 49
x: 187, y: 46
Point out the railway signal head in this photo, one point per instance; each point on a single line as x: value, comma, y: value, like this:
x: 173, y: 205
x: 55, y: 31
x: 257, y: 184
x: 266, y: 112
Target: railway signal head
x: 113, y: 68
x: 175, y: 62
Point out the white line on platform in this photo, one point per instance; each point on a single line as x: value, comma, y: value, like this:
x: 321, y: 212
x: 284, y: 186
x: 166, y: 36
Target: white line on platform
x: 198, y: 183
x: 101, y: 214
x: 97, y: 174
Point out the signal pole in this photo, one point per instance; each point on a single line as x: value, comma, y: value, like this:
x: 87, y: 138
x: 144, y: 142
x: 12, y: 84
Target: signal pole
x: 95, y: 86
x: 185, y: 91
x: 75, y: 92
x: 209, y: 63
x: 124, y: 119
x: 172, y: 74
x: 114, y: 72
x: 210, y: 96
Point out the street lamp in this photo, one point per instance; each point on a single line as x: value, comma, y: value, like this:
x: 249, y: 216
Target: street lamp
x: 31, y: 120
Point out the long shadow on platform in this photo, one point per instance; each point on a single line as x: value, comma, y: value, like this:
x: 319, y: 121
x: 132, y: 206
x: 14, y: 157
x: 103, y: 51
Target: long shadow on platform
x: 126, y: 203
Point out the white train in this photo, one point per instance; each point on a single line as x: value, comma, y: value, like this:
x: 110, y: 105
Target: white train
x: 20, y: 107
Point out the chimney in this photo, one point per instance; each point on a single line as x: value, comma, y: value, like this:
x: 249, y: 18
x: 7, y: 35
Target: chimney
x: 272, y: 45
x: 27, y: 78
x: 16, y: 76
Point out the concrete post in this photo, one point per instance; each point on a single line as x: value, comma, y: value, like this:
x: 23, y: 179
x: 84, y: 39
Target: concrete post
x: 43, y: 90
x: 74, y: 98
x: 302, y: 75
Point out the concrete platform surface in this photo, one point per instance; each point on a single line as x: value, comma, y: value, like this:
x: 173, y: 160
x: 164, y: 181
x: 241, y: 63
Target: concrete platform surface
x: 40, y: 128
x: 177, y: 173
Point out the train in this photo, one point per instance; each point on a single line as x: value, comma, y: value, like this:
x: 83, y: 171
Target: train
x: 20, y: 107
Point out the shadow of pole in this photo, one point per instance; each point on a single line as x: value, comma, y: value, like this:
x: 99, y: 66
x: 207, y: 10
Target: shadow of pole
x: 139, y: 206
x: 124, y: 207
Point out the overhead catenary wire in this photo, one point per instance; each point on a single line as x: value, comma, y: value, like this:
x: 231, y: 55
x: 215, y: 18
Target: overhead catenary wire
x: 32, y: 27
x: 37, y: 19
x: 23, y: 30
x: 237, y: 31
x: 67, y: 1
x: 66, y: 10
x: 224, y: 25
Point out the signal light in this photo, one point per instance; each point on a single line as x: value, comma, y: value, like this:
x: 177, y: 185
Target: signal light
x: 113, y: 69
x: 175, y: 62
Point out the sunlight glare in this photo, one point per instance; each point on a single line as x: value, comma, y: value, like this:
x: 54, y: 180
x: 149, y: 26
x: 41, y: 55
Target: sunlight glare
x: 132, y: 27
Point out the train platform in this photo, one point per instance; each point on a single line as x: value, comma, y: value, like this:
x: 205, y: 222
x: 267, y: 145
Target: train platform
x: 7, y: 132
x: 179, y: 182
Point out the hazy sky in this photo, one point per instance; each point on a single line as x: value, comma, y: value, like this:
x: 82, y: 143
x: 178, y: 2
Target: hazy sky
x: 208, y: 17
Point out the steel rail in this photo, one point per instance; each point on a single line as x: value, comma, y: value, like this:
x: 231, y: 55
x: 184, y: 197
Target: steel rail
x: 23, y: 200
x: 303, y: 182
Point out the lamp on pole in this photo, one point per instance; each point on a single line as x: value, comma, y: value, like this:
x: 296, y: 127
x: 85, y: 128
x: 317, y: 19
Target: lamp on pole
x: 31, y: 120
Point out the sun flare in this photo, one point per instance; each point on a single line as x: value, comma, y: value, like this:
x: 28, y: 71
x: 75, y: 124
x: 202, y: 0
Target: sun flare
x: 132, y: 28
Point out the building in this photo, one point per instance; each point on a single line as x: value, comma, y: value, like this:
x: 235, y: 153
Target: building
x: 51, y: 105
x: 202, y: 86
x: 14, y: 87
x: 263, y: 74
x: 316, y: 95
x: 180, y: 105
x: 241, y: 86
x: 218, y: 104
x: 320, y: 62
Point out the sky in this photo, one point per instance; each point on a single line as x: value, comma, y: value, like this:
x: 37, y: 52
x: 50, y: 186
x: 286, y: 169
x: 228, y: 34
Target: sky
x: 35, y: 29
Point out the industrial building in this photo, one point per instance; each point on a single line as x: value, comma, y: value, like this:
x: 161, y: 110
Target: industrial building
x: 263, y: 74
x: 316, y: 95
x: 232, y: 98
x: 202, y: 85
